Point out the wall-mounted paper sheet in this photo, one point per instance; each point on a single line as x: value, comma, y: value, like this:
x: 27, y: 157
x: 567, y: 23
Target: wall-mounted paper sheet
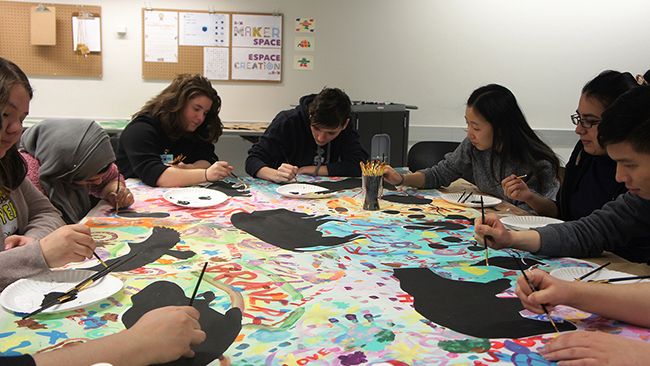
x: 87, y: 31
x: 201, y: 29
x: 161, y: 36
x: 215, y: 63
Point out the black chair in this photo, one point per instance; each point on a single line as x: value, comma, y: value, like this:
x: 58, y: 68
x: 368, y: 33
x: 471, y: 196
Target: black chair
x: 425, y: 154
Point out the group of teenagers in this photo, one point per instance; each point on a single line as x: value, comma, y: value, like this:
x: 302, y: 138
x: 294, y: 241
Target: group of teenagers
x: 52, y: 174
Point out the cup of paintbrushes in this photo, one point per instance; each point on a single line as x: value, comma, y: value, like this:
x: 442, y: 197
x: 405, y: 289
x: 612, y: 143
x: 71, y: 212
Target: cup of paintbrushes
x: 372, y: 184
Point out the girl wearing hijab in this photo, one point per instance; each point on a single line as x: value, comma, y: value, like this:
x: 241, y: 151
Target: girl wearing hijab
x: 69, y: 160
x: 33, y: 238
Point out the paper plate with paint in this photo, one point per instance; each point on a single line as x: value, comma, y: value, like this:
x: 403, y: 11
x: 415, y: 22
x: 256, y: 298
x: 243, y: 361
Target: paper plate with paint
x: 26, y: 295
x: 301, y: 190
x: 195, y: 197
x: 518, y: 223
x: 473, y: 201
x: 572, y: 273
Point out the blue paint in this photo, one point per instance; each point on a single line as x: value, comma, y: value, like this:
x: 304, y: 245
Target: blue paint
x: 54, y: 335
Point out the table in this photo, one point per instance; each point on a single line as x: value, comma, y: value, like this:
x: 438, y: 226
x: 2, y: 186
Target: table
x: 324, y: 305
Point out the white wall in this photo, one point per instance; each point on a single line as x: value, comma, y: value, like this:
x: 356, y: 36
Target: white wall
x: 429, y: 53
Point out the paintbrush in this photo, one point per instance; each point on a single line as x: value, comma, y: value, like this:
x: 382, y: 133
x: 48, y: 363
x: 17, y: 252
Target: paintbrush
x: 461, y: 196
x: 198, y: 283
x: 99, y: 259
x: 287, y: 160
x: 532, y: 288
x: 619, y: 279
x: 72, y: 293
x: 521, y: 176
x: 484, y: 239
x: 241, y: 182
x: 117, y: 202
x: 591, y: 272
x: 179, y: 159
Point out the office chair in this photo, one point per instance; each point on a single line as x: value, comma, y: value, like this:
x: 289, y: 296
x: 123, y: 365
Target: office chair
x: 425, y: 154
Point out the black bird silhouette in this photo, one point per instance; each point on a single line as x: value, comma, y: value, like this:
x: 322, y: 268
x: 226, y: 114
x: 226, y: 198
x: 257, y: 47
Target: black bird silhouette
x: 160, y: 242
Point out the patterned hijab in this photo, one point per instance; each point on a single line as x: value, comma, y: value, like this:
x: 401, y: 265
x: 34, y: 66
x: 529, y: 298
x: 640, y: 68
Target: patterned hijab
x: 69, y: 150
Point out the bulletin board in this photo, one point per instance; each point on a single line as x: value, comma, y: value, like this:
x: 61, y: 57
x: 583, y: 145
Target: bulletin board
x: 259, y: 61
x: 58, y: 60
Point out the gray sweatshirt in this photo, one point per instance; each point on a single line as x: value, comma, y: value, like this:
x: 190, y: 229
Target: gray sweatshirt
x: 614, y: 225
x: 459, y: 161
x: 36, y: 219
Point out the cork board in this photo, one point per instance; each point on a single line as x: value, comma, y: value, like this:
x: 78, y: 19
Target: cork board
x: 58, y: 60
x: 191, y: 58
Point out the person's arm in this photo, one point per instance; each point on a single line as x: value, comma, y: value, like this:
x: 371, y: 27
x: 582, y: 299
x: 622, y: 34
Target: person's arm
x: 411, y: 179
x: 311, y: 169
x: 498, y: 237
x: 629, y: 303
x: 70, y: 243
x: 179, y: 177
x: 517, y: 189
x: 117, y: 194
x: 161, y: 335
x: 284, y: 173
x: 596, y: 348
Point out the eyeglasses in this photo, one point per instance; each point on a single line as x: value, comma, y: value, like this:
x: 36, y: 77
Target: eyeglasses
x: 575, y: 118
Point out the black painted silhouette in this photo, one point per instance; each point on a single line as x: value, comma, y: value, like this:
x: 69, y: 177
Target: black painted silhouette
x: 470, y: 308
x: 287, y: 229
x: 227, y: 188
x: 221, y: 330
x: 406, y: 199
x: 134, y: 214
x: 160, y: 242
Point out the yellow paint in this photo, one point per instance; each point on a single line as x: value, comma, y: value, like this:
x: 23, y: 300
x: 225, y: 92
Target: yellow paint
x: 478, y: 271
x: 316, y: 315
x: 405, y: 353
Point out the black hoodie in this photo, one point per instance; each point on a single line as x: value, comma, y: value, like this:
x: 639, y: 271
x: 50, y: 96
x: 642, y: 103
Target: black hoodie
x: 289, y: 137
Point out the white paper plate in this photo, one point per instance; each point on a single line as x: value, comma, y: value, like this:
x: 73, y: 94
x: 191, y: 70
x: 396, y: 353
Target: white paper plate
x: 300, y: 190
x: 195, y: 197
x: 26, y: 295
x: 474, y: 201
x: 571, y: 273
x: 527, y: 222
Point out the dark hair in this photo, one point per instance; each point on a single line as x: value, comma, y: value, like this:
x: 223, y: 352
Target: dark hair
x: 512, y: 136
x: 608, y: 86
x: 167, y: 108
x: 330, y: 109
x: 13, y: 168
x: 628, y: 120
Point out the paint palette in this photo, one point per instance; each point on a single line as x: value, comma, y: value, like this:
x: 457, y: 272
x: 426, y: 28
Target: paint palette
x: 473, y: 201
x: 518, y: 223
x: 195, y: 197
x: 571, y: 273
x: 301, y: 190
x: 26, y: 295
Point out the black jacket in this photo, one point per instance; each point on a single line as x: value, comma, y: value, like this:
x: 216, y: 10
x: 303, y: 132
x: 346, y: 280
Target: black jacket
x: 289, y: 137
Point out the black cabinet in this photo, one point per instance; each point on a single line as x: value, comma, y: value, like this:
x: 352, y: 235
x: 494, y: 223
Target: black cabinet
x: 388, y: 119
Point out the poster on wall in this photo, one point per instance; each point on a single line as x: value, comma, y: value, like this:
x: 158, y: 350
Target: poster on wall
x: 160, y: 36
x: 257, y: 64
x: 204, y: 29
x: 256, y: 47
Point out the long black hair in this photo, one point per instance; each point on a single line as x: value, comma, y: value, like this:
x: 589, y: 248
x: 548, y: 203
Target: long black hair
x: 512, y: 138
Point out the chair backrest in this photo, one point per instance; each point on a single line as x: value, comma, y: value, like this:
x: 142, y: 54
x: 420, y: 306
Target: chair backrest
x: 425, y: 154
